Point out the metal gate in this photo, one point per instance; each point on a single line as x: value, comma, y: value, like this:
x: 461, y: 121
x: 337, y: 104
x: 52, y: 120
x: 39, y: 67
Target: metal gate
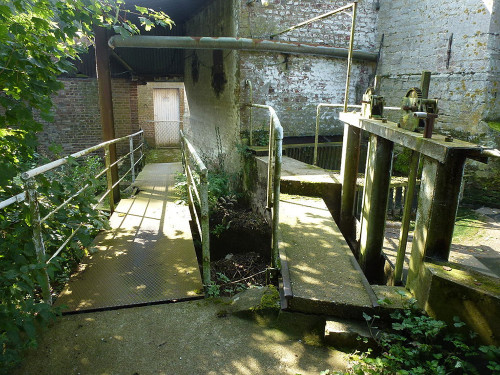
x: 167, y: 117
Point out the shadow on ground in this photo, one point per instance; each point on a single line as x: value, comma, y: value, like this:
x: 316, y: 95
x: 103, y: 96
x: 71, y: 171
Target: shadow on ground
x: 182, y: 338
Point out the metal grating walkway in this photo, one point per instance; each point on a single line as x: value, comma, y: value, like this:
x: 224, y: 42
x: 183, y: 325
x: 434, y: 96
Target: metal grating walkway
x: 147, y: 257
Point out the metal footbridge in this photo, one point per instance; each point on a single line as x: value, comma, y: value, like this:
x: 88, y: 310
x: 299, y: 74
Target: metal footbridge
x: 146, y: 257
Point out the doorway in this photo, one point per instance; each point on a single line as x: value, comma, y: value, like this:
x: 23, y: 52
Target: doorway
x: 166, y: 117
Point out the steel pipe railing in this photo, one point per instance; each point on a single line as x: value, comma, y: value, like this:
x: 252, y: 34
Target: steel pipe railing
x: 202, y: 221
x: 31, y: 194
x: 311, y: 20
x: 275, y: 160
x: 316, y: 133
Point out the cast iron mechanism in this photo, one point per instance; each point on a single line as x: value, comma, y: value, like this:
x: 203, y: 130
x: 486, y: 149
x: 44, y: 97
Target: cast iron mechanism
x: 413, y: 102
x: 373, y: 105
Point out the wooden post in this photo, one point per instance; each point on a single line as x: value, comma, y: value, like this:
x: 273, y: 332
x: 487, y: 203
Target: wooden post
x: 376, y: 194
x: 106, y: 100
x: 38, y: 239
x: 437, y: 210
x: 348, y: 176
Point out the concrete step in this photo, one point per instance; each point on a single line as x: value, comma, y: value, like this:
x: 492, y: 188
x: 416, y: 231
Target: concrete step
x: 320, y: 273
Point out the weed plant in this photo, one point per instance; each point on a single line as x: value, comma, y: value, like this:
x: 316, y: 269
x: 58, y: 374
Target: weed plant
x: 418, y: 344
x: 22, y: 313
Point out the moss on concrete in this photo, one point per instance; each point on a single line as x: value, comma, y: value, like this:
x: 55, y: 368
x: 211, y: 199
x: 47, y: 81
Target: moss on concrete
x: 495, y: 125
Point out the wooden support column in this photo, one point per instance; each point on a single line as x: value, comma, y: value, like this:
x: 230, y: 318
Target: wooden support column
x: 348, y: 176
x: 106, y: 100
x: 437, y: 210
x: 375, y: 197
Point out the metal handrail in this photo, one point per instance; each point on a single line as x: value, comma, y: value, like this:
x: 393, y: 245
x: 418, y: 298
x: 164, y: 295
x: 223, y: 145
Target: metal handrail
x: 275, y: 156
x: 189, y: 153
x: 316, y: 134
x: 31, y: 194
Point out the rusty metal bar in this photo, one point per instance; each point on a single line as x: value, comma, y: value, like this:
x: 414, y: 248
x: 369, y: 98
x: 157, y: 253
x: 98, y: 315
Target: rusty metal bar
x: 132, y: 163
x: 230, y: 43
x: 61, y: 248
x: 202, y: 196
x: 307, y: 22
x: 57, y: 163
x: 405, y: 222
x: 36, y: 226
x: 249, y: 84
x: 16, y: 198
x: 274, y: 178
x: 349, y: 58
x: 109, y: 179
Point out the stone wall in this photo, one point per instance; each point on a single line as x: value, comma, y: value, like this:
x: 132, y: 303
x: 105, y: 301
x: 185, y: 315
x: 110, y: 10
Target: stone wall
x: 212, y: 86
x: 292, y: 84
x: 465, y: 79
x: 77, y: 121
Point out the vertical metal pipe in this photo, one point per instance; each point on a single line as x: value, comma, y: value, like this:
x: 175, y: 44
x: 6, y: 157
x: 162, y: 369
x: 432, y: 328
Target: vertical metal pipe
x: 276, y: 197
x: 249, y: 84
x: 109, y: 179
x: 349, y: 59
x: 205, y: 230
x: 405, y: 225
x: 37, y: 237
x: 132, y: 162
x: 316, y: 136
x: 270, y: 163
x: 143, y: 160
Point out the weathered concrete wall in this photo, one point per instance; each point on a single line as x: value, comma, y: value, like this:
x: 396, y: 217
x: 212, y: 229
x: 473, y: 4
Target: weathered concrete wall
x: 77, y: 121
x: 416, y: 38
x: 294, y: 85
x: 146, y: 106
x: 212, y: 86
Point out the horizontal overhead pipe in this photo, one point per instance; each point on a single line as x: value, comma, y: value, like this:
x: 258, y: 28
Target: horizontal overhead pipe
x: 245, y: 44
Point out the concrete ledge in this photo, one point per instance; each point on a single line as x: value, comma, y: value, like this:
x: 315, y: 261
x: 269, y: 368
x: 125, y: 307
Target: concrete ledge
x: 455, y: 290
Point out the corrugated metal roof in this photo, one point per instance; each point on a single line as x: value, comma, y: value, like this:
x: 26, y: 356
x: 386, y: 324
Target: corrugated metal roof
x: 150, y: 63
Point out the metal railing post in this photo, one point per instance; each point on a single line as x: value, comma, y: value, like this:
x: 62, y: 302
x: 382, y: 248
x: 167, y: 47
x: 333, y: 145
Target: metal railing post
x: 270, y: 163
x: 249, y: 84
x: 276, y: 197
x: 143, y: 161
x: 37, y: 236
x: 205, y: 229
x: 132, y: 162
x: 109, y: 179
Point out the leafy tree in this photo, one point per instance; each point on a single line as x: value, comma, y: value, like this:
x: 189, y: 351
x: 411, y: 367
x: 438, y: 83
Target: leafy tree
x: 38, y: 41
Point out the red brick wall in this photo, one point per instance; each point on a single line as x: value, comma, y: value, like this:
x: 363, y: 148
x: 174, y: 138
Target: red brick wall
x: 77, y: 121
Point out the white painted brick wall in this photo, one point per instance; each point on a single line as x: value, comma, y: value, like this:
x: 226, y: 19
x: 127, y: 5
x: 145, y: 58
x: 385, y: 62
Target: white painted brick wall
x: 294, y: 89
x: 416, y: 35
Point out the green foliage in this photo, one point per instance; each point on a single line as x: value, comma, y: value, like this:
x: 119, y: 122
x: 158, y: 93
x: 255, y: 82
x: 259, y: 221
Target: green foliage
x: 22, y: 312
x: 260, y: 137
x: 38, y: 41
x: 401, y: 163
x: 419, y: 344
